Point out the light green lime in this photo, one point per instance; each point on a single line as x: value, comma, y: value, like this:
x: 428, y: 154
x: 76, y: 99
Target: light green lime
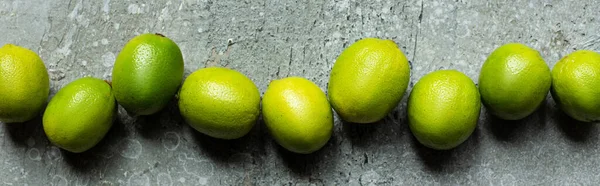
x: 147, y: 73
x: 24, y: 84
x: 80, y: 114
x: 443, y: 109
x: 368, y: 80
x: 219, y: 102
x: 514, y: 81
x: 576, y: 85
x: 297, y: 114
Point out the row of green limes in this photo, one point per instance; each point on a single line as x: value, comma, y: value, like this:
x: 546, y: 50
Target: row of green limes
x: 367, y: 81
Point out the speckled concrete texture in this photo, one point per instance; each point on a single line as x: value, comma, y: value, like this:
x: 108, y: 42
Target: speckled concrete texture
x: 271, y: 39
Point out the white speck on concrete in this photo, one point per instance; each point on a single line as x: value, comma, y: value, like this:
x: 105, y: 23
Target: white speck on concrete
x: 370, y: 178
x: 170, y: 141
x: 65, y: 50
x: 104, y: 182
x: 130, y: 148
x: 75, y: 10
x: 164, y: 179
x: 54, y: 153
x: 343, y: 5
x: 30, y: 142
x: 104, y: 41
x: 34, y: 154
x: 108, y: 59
x: 203, y: 181
x: 107, y: 74
x: 139, y: 180
x: 58, y: 180
x: 164, y: 14
x: 385, y: 10
x: 106, y: 6
x: 336, y: 35
x: 181, y: 5
x: 134, y: 9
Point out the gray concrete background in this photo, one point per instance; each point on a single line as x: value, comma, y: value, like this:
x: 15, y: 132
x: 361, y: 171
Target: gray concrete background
x: 272, y: 39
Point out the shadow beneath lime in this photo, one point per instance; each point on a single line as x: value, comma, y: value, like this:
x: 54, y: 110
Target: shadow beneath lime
x: 152, y: 127
x: 453, y: 160
x: 364, y: 135
x: 517, y: 131
x: 307, y: 164
x: 20, y: 133
x: 101, y: 155
x: 220, y: 150
x: 361, y: 135
x: 577, y: 131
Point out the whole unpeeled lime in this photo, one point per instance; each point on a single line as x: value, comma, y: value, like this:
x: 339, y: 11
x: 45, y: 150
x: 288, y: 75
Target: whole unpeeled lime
x: 514, y: 81
x: 80, y: 114
x: 368, y: 80
x: 576, y: 85
x: 443, y: 109
x: 24, y: 84
x: 219, y: 102
x: 297, y: 114
x: 147, y: 73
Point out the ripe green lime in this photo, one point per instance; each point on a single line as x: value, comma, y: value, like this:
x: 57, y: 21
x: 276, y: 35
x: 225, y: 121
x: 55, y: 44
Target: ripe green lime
x: 147, y: 73
x: 576, y: 85
x: 368, y: 80
x: 24, y: 84
x: 80, y: 114
x: 219, y: 102
x: 514, y: 81
x: 297, y: 114
x: 443, y: 109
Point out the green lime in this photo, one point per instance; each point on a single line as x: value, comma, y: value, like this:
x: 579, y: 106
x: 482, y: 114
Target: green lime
x: 147, y: 74
x: 368, y: 80
x: 575, y: 85
x: 80, y: 114
x: 219, y: 102
x: 514, y: 81
x: 443, y: 109
x: 24, y: 84
x: 297, y: 114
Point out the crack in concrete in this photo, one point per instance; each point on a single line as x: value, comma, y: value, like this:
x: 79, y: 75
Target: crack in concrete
x: 417, y: 33
x: 290, y: 62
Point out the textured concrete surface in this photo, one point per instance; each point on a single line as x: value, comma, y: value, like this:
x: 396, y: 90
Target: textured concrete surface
x: 273, y: 39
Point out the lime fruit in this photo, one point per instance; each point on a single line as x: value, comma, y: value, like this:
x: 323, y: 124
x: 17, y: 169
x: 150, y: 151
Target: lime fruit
x: 80, y: 114
x: 368, y: 80
x: 219, y: 102
x: 24, y: 84
x: 147, y: 73
x: 514, y: 81
x: 576, y: 85
x: 443, y: 109
x: 297, y: 114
